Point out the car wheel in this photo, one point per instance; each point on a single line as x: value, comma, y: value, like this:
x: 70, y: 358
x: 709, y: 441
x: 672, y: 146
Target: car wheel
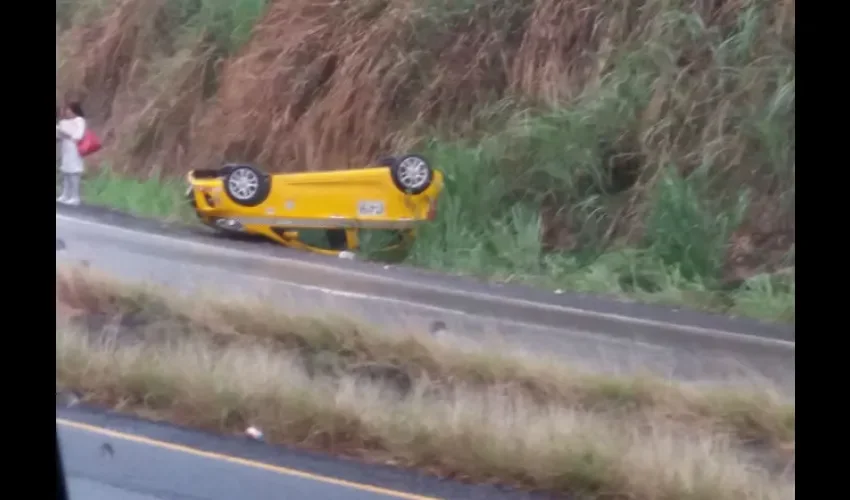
x: 247, y: 186
x: 412, y: 174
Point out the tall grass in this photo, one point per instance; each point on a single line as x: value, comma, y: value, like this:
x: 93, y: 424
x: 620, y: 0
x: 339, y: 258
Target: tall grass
x: 488, y: 436
x: 645, y: 201
x: 226, y: 23
x: 657, y: 163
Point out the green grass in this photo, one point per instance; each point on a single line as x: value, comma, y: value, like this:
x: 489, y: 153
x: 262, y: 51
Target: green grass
x: 722, y: 142
x: 225, y: 23
x: 153, y: 197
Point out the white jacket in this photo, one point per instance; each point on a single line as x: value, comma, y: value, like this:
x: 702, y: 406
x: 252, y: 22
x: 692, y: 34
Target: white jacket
x: 70, y: 132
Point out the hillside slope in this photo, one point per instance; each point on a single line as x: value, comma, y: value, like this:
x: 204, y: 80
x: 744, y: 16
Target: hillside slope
x: 635, y: 147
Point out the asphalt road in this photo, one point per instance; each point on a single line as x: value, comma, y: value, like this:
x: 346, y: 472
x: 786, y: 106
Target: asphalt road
x: 112, y: 457
x: 596, y: 333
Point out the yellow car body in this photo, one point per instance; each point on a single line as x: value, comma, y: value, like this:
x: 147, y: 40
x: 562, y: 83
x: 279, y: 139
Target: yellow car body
x: 240, y: 198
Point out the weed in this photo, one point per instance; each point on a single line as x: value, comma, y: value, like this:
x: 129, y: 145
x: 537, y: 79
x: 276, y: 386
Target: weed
x: 152, y: 196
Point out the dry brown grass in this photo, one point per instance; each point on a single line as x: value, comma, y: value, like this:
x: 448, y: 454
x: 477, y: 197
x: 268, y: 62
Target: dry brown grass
x: 339, y: 348
x: 328, y: 84
x: 140, y: 86
x: 466, y: 432
x: 338, y: 82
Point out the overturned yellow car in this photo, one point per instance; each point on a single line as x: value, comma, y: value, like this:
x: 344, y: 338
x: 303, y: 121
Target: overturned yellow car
x: 395, y: 194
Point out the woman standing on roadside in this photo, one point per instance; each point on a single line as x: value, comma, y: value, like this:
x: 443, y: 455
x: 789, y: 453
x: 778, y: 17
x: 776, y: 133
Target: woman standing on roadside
x: 70, y: 131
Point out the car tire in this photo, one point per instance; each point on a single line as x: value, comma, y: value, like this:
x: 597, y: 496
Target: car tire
x: 246, y: 185
x: 411, y: 174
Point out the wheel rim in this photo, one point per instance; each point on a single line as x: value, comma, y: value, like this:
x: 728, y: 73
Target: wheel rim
x: 413, y: 172
x: 243, y: 183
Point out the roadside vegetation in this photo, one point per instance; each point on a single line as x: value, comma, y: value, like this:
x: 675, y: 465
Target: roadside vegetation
x: 641, y: 149
x: 412, y: 400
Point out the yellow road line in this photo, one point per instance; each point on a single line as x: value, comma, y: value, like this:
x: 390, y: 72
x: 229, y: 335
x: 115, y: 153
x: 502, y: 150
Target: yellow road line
x: 241, y: 461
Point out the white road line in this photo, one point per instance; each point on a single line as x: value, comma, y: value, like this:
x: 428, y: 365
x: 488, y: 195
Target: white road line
x: 506, y: 322
x: 706, y: 332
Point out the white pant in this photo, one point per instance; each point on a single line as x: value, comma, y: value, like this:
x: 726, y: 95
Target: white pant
x: 70, y: 186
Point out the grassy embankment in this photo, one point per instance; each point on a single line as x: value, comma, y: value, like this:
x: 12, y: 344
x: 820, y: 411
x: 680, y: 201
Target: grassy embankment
x: 472, y: 413
x: 642, y: 149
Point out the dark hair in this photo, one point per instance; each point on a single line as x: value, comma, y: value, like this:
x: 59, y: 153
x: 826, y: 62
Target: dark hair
x: 76, y: 108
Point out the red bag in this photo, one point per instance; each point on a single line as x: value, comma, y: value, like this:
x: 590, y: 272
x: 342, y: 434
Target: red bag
x: 89, y: 144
